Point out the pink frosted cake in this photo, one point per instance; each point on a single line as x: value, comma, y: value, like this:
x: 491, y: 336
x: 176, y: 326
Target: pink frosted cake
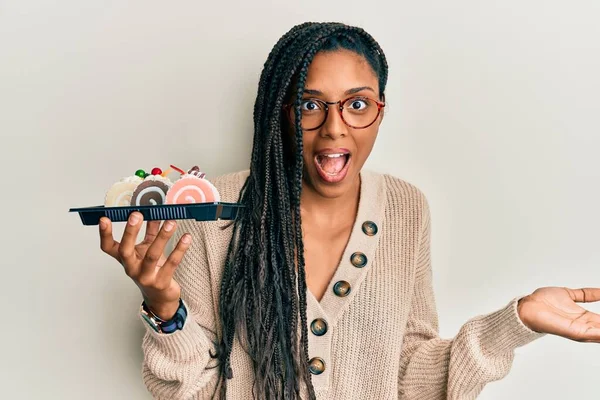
x: 191, y: 188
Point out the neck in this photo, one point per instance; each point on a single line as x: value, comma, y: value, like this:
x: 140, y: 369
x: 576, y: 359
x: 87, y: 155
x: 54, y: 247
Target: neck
x: 326, y: 211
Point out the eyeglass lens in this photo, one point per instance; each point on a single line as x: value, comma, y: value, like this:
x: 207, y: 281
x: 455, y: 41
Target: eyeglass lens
x: 357, y: 112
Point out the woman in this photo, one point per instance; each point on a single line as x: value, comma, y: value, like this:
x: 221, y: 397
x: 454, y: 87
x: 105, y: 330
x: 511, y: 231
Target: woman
x: 322, y: 288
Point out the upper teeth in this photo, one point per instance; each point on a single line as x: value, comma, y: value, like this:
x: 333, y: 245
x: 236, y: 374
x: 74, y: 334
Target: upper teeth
x: 333, y: 155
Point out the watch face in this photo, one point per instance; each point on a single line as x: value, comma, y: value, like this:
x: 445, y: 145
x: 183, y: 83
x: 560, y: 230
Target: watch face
x: 151, y: 323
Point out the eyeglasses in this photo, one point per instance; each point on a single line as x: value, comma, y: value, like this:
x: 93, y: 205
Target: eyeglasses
x: 357, y: 112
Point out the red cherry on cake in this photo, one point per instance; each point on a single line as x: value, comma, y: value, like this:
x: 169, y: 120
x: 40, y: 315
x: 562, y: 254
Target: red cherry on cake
x: 156, y: 171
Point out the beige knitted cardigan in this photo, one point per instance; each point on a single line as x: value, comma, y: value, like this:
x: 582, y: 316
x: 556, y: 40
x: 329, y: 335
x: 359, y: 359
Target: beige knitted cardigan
x: 382, y: 340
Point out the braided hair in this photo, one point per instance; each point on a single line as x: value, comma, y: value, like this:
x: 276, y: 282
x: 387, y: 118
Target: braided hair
x: 263, y: 288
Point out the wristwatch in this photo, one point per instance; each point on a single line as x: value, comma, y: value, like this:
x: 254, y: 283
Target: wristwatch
x: 160, y: 325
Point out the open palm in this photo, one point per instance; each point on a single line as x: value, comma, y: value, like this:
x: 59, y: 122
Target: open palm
x: 554, y: 310
x: 145, y: 263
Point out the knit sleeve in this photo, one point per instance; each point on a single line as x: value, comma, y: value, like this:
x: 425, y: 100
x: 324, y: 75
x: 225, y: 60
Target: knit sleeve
x: 458, y: 368
x: 179, y: 365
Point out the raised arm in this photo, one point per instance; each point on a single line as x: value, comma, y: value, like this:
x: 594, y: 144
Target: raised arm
x: 179, y: 365
x: 458, y: 368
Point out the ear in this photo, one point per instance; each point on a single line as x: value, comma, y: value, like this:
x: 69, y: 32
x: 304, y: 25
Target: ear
x: 382, y: 114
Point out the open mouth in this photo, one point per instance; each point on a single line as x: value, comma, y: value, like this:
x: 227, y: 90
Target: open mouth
x: 333, y: 165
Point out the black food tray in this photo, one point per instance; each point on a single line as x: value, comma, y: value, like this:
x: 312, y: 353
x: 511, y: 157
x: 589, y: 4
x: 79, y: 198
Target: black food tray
x: 198, y: 211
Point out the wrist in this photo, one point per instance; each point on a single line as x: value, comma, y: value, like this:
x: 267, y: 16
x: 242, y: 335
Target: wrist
x: 161, y: 325
x: 164, y: 311
x: 521, y: 312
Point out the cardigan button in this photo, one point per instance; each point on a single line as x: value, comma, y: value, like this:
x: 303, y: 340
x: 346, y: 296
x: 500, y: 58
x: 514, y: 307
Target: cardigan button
x: 341, y: 288
x: 318, y: 327
x: 369, y: 228
x: 316, y: 365
x: 358, y: 259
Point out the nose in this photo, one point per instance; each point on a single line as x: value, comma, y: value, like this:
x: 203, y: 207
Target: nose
x: 334, y: 126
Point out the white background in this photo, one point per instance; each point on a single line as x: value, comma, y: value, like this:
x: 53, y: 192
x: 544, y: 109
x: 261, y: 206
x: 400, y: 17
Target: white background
x: 494, y: 112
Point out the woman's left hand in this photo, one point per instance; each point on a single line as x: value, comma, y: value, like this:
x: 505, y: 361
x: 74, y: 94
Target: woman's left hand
x: 554, y: 310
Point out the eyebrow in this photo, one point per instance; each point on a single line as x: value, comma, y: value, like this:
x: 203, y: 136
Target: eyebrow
x: 314, y: 92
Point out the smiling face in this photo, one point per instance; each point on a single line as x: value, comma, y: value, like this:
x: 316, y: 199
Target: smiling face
x: 335, y: 153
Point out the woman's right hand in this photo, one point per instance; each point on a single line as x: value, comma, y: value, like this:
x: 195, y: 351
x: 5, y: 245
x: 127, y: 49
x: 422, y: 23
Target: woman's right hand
x: 145, y: 263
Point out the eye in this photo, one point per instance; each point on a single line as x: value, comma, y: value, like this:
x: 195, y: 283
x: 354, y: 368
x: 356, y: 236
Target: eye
x: 357, y: 104
x: 310, y: 105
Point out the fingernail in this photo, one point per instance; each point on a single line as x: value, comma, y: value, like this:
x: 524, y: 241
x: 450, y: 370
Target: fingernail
x: 186, y: 239
x: 134, y: 219
x: 103, y: 224
x: 168, y: 226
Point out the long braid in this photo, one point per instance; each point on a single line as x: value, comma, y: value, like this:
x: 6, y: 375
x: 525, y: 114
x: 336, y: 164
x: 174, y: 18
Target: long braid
x: 299, y: 366
x: 263, y: 288
x: 299, y: 244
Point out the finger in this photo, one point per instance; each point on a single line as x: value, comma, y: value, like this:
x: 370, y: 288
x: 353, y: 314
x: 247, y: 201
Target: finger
x: 592, y: 318
x: 594, y: 324
x: 107, y: 242
x: 152, y: 228
x: 127, y: 247
x: 157, y: 248
x: 168, y: 269
x: 585, y: 295
x: 590, y: 335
